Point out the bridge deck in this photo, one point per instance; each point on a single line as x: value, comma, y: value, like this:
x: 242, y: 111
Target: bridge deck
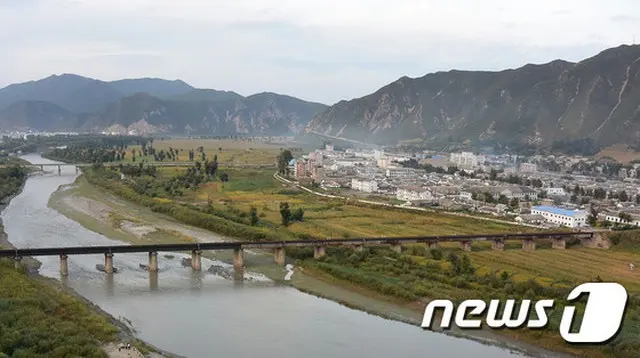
x: 88, y: 250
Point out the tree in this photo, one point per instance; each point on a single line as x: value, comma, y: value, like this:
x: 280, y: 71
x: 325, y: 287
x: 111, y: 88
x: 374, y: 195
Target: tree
x: 514, y: 203
x: 622, y: 196
x: 253, y: 213
x: 283, y: 161
x: 298, y: 214
x: 502, y: 199
x: 624, y: 217
x: 224, y: 177
x: 592, y: 219
x: 285, y: 213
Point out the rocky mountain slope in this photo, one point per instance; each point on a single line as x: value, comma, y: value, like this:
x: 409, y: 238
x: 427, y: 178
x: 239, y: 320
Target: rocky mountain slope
x: 148, y: 106
x: 534, y: 105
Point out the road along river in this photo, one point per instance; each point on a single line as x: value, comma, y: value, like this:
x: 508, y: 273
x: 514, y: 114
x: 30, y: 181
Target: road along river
x: 206, y: 315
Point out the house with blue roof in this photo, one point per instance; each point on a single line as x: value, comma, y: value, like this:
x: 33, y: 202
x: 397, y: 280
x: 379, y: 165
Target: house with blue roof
x: 560, y: 216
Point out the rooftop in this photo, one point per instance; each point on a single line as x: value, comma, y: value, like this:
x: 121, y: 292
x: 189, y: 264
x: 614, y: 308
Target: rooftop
x: 558, y: 211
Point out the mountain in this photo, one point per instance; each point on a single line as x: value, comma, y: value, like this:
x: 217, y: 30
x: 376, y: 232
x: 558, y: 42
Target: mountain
x: 153, y: 86
x: 269, y: 114
x: 71, y: 92
x: 36, y: 114
x: 147, y: 105
x: 534, y: 105
x: 205, y: 95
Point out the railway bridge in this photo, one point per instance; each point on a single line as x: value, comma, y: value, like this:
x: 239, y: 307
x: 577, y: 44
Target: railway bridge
x: 395, y: 243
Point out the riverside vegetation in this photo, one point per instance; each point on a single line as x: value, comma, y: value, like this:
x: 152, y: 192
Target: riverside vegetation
x: 251, y: 205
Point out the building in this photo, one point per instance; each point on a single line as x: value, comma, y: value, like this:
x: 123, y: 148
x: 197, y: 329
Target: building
x: 398, y: 173
x: 528, y: 168
x: 615, y: 218
x: 413, y: 194
x: 300, y: 169
x: 559, y: 216
x: 556, y: 192
x: 464, y: 160
x: 366, y: 185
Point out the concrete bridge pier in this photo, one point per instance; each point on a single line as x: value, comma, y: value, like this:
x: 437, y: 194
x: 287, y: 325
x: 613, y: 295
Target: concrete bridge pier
x: 108, y: 263
x: 466, y: 245
x: 433, y: 245
x: 76, y: 169
x: 16, y: 261
x: 357, y: 248
x: 59, y: 170
x: 42, y: 167
x: 238, y: 258
x: 588, y: 241
x: 558, y: 243
x: 196, y: 260
x: 497, y: 244
x: 396, y: 247
x: 528, y: 244
x: 318, y: 252
x: 64, y: 267
x: 153, y: 261
x: 278, y: 255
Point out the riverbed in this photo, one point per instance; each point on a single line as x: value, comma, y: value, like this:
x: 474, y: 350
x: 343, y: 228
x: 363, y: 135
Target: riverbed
x: 201, y: 314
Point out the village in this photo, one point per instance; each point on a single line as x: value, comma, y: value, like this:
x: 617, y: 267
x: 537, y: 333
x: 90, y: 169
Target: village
x: 549, y: 191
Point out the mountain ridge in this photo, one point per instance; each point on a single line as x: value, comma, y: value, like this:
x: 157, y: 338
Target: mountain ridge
x: 151, y: 105
x: 533, y: 105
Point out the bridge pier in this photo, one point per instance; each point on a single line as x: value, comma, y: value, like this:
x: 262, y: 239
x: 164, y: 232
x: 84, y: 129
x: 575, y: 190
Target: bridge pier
x: 196, y: 260
x: 17, y: 261
x: 153, y: 261
x: 396, y: 247
x: 466, y: 245
x: 64, y: 267
x: 238, y: 258
x: 76, y: 169
x: 497, y: 244
x: 108, y: 263
x: 357, y: 248
x: 59, y: 170
x: 588, y: 241
x: 558, y: 243
x: 528, y: 244
x: 278, y: 255
x: 318, y: 252
x: 42, y: 167
x: 433, y: 245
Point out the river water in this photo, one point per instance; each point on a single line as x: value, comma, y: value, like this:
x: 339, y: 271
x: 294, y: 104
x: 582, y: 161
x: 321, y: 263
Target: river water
x: 204, y: 315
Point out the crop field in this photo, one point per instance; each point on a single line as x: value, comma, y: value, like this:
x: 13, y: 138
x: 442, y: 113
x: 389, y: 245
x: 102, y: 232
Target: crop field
x: 324, y: 218
x: 558, y: 266
x: 239, y: 151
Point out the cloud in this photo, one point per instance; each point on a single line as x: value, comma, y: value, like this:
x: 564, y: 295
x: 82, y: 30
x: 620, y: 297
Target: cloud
x: 323, y: 50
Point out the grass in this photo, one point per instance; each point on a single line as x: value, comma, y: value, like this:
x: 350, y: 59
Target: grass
x: 39, y: 320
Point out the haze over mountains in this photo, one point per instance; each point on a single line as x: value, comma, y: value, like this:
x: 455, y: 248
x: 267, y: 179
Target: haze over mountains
x: 535, y: 105
x: 70, y: 102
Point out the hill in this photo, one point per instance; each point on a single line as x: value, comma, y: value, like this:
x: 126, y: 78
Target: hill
x: 147, y: 106
x: 531, y: 106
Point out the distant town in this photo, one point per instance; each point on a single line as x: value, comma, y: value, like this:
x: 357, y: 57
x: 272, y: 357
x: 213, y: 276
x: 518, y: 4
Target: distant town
x: 549, y: 191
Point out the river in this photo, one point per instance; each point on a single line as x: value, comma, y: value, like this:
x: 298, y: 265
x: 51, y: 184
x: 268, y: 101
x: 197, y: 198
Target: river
x: 204, y: 315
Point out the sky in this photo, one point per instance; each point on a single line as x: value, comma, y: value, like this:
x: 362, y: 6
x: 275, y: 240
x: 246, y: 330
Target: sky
x: 317, y: 50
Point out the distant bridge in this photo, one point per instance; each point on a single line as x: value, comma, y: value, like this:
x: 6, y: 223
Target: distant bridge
x: 395, y: 243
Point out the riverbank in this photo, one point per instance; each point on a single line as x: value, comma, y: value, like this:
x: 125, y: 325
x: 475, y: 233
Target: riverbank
x: 57, y: 305
x: 102, y: 212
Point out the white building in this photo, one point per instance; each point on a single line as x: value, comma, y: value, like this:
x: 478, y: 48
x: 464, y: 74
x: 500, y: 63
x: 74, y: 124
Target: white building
x: 528, y: 168
x: 366, y: 185
x: 464, y: 160
x: 556, y: 192
x: 635, y: 221
x: 397, y: 173
x: 413, y: 194
x: 559, y: 216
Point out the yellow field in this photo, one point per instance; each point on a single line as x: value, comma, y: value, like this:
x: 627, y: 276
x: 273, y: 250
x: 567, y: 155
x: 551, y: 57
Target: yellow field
x: 554, y: 266
x: 227, y: 150
x: 620, y: 153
